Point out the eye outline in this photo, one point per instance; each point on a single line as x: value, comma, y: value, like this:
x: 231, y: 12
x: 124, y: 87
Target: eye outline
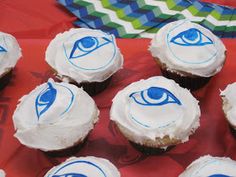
x: 164, y: 102
x: 82, y: 161
x: 219, y: 175
x: 77, y: 46
x: 200, y: 35
x: 49, y: 103
x: 37, y: 104
x: 70, y: 174
x: 2, y: 49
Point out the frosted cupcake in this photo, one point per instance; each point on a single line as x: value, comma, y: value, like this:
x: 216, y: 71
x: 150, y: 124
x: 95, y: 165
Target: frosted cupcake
x: 229, y: 105
x: 188, y: 53
x: 155, y: 113
x: 10, y: 53
x: 211, y: 167
x: 55, y: 118
x: 84, y: 166
x: 85, y: 57
x: 2, y: 173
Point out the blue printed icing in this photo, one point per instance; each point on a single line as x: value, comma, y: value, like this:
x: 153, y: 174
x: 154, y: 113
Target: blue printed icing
x: 2, y: 49
x: 219, y: 175
x: 159, y: 97
x: 70, y: 175
x: 87, y: 45
x: 57, y: 172
x: 45, y: 99
x: 191, y: 37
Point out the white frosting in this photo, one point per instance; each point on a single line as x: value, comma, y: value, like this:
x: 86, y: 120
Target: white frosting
x: 208, y: 165
x: 2, y: 173
x: 85, y: 166
x: 84, y: 55
x: 203, y: 56
x: 229, y: 94
x: 11, y: 53
x: 147, y: 120
x: 54, y: 124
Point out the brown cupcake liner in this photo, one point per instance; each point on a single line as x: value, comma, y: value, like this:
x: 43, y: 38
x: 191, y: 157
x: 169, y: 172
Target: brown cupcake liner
x: 92, y: 88
x: 184, y: 79
x: 68, y: 151
x: 5, y: 78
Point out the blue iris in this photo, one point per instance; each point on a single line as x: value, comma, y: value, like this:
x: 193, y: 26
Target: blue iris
x: 219, y: 175
x: 87, y: 45
x: 191, y: 37
x: 45, y: 99
x: 2, y: 49
x: 154, y: 96
x: 70, y: 175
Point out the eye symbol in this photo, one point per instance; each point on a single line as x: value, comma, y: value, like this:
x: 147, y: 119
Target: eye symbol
x: 87, y: 45
x: 154, y: 96
x: 191, y: 37
x: 219, y: 175
x: 45, y: 99
x: 70, y: 175
x: 2, y: 49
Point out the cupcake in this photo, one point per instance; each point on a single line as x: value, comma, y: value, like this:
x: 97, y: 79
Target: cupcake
x: 10, y: 52
x: 55, y: 118
x: 85, y: 57
x: 211, y: 167
x: 188, y: 53
x: 229, y: 105
x: 2, y: 173
x: 155, y: 113
x: 84, y: 166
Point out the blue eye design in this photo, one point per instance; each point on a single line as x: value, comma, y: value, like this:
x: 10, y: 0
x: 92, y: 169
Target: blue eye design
x: 191, y: 37
x: 87, y: 45
x: 45, y: 99
x: 219, y: 175
x: 77, y: 165
x: 2, y: 49
x: 154, y: 96
x: 70, y: 175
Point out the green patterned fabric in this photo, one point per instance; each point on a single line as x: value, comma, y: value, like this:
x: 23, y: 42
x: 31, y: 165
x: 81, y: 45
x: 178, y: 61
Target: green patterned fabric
x: 143, y: 18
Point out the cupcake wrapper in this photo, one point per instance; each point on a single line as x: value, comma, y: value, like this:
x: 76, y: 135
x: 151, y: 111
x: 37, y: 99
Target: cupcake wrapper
x: 150, y: 150
x: 68, y: 151
x: 5, y: 78
x: 192, y: 83
x: 93, y: 88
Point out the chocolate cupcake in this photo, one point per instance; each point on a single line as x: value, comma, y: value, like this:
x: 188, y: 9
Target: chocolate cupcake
x: 85, y: 57
x: 211, y: 167
x: 188, y: 53
x: 10, y: 53
x: 84, y: 166
x: 229, y: 105
x: 155, y: 113
x: 55, y: 118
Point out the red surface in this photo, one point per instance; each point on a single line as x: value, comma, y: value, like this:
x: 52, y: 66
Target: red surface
x: 46, y: 19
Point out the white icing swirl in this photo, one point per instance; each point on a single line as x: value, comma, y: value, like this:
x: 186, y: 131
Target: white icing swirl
x: 84, y: 55
x: 2, y: 173
x: 168, y: 111
x: 188, y: 47
x: 53, y: 121
x: 11, y: 54
x: 229, y: 106
x: 208, y: 165
x: 85, y: 166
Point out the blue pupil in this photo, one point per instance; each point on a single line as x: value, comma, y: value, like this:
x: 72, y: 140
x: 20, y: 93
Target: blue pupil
x: 191, y: 34
x: 87, y: 42
x: 154, y: 93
